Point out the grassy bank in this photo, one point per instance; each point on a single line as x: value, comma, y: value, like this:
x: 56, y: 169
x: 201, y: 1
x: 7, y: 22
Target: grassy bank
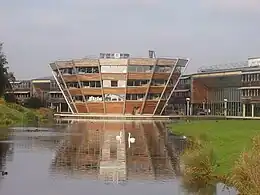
x: 228, y: 138
x: 14, y: 114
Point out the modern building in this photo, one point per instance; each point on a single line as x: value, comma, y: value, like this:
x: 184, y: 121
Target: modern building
x: 119, y: 84
x: 21, y: 90
x: 116, y: 83
x: 228, y: 89
x: 46, y: 89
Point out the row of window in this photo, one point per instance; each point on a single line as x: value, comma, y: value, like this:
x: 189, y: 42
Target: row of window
x: 22, y: 96
x: 181, y: 94
x: 28, y: 95
x: 23, y: 85
x: 79, y: 70
x: 118, y: 97
x: 116, y: 69
x: 27, y: 85
x: 250, y: 92
x: 251, y: 77
x: 56, y: 95
x: 117, y: 83
x: 84, y: 84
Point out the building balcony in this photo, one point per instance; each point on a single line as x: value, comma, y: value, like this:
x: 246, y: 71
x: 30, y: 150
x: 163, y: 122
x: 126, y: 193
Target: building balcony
x: 250, y: 84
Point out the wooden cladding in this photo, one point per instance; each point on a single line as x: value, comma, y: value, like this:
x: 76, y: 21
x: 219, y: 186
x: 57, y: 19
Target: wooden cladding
x: 89, y: 77
x: 112, y: 62
x: 77, y: 63
x: 166, y: 61
x: 70, y: 78
x: 161, y: 76
x: 136, y: 90
x: 149, y: 107
x: 85, y: 91
x: 81, y: 107
x: 156, y: 89
x: 114, y: 107
x: 113, y: 76
x: 75, y: 91
x: 86, y: 62
x: 199, y: 91
x: 130, y: 106
x: 85, y: 77
x: 142, y: 61
x: 116, y: 90
x: 140, y: 76
x: 96, y: 107
x: 92, y: 91
x: 117, y: 62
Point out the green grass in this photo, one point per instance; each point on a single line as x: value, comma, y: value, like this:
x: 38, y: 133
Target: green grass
x: 14, y: 114
x: 228, y: 138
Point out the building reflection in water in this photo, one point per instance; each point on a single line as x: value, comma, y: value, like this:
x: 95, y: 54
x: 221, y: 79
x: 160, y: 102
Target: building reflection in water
x: 94, y: 150
x: 6, y: 154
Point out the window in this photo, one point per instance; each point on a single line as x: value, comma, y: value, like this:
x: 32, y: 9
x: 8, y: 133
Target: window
x: 93, y: 98
x: 86, y: 84
x: 114, y: 83
x: 147, y: 69
x: 159, y: 82
x: 77, y: 98
x: 114, y: 97
x: 138, y: 97
x: 137, y: 82
x: 163, y: 69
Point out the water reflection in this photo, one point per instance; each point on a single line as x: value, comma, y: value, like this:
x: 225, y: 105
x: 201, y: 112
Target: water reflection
x: 85, y: 155
x: 95, y: 152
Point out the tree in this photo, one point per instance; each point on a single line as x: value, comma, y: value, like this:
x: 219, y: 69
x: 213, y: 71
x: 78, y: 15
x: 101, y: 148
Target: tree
x: 4, y: 75
x: 33, y: 102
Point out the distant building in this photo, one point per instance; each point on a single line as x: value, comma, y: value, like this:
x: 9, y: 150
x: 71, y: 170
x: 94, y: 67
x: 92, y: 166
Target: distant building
x: 116, y: 83
x: 228, y: 89
x: 46, y: 89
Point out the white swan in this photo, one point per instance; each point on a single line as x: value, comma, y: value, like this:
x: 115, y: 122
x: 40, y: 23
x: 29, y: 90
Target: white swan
x: 131, y: 140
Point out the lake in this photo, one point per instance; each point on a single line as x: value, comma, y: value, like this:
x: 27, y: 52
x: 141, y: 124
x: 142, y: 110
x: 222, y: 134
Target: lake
x: 94, y: 157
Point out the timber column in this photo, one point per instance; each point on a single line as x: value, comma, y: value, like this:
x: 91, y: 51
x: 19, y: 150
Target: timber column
x: 253, y: 110
x: 244, y: 110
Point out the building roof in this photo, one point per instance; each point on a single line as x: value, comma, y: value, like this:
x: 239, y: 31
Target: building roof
x: 237, y: 66
x: 44, y: 78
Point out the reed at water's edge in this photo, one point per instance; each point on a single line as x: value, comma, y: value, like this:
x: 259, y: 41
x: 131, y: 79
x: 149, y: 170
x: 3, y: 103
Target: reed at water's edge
x: 202, y: 158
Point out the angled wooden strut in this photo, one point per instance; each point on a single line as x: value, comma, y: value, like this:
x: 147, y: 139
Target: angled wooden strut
x: 66, y: 88
x: 166, y: 103
x: 80, y: 86
x: 166, y: 85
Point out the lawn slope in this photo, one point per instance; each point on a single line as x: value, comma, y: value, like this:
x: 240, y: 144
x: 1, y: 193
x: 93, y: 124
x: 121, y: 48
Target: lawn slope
x: 228, y: 138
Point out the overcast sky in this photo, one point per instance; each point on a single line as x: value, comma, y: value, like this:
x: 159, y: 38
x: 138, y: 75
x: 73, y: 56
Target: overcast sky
x: 208, y: 32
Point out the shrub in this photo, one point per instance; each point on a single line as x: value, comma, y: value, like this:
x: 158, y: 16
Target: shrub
x: 245, y: 176
x: 33, y: 102
x: 199, y: 167
x: 10, y: 97
x: 2, y: 101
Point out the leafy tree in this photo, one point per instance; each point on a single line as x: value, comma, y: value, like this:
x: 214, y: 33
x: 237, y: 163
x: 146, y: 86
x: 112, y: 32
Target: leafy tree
x: 33, y: 102
x: 3, y: 71
x: 5, y: 76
